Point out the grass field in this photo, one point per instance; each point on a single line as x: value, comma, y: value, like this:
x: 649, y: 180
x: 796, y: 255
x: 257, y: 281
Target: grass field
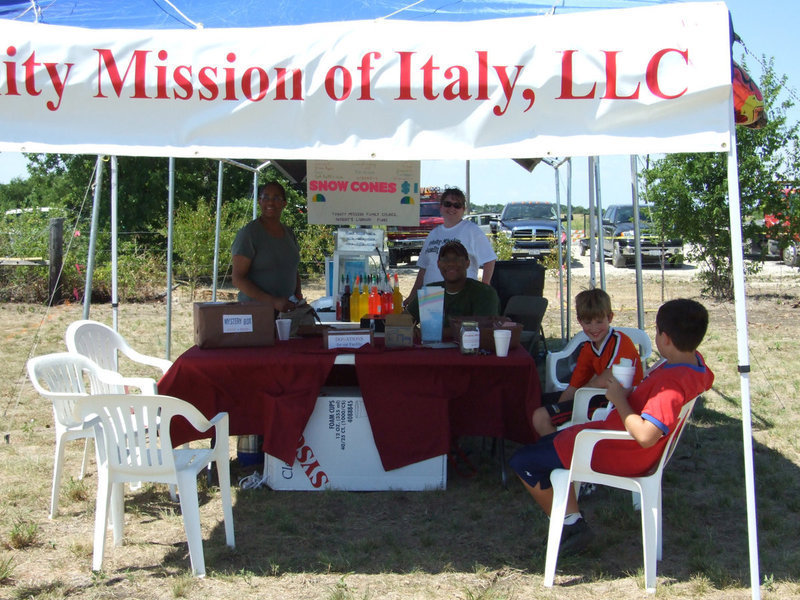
x: 472, y: 541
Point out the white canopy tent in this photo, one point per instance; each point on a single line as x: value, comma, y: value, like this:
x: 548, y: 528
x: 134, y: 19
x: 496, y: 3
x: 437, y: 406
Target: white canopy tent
x: 629, y: 81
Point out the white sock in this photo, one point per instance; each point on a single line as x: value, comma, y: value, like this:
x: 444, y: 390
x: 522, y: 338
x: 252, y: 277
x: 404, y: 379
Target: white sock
x: 573, y: 518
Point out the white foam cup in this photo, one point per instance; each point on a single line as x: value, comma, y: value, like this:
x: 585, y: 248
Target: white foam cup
x: 284, y: 327
x: 624, y: 373
x: 502, y: 338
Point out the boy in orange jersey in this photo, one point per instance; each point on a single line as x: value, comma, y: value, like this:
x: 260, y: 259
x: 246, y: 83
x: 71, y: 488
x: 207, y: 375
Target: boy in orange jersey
x: 606, y: 347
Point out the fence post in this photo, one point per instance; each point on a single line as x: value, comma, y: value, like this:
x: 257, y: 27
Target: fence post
x: 56, y: 258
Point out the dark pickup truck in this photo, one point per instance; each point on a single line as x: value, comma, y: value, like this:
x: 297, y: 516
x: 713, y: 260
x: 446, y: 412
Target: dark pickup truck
x: 618, y: 239
x: 534, y: 228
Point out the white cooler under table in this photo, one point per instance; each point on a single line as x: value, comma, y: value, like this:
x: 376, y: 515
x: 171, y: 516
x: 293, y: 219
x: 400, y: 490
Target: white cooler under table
x: 337, y: 451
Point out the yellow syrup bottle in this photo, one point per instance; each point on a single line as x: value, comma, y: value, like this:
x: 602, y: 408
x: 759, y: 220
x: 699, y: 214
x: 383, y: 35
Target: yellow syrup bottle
x: 355, y: 309
x: 397, y: 297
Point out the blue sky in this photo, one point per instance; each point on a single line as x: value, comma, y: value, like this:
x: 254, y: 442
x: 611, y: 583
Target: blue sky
x: 767, y: 28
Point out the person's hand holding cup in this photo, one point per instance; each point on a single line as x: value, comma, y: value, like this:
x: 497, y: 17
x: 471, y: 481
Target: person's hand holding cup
x: 624, y: 372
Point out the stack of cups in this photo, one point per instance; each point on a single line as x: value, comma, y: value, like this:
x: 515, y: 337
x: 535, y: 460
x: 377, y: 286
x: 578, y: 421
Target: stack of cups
x: 502, y: 339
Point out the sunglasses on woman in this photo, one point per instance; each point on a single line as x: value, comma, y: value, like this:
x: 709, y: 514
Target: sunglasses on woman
x: 448, y: 204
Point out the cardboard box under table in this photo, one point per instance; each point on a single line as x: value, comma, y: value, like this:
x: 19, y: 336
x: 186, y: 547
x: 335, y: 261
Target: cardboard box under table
x: 233, y: 324
x: 337, y: 451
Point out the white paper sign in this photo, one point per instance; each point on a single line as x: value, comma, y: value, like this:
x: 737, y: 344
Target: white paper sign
x: 363, y: 192
x: 351, y: 340
x: 237, y: 323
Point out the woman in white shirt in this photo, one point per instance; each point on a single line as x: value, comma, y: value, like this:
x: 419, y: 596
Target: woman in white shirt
x: 453, y: 206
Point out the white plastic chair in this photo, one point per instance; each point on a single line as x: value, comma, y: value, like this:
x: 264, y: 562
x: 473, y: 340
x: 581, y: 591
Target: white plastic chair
x: 61, y: 378
x: 554, y: 383
x: 126, y: 455
x: 648, y: 486
x: 102, y: 344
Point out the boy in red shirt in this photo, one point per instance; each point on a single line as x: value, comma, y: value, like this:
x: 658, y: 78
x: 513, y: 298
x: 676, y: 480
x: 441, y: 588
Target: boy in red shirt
x: 648, y: 413
x: 606, y: 347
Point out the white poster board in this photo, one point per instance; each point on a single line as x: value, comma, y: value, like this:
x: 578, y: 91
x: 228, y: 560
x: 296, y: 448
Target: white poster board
x: 363, y: 192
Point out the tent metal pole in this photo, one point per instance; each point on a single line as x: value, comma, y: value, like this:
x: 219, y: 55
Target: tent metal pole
x: 637, y: 240
x: 467, y: 186
x: 600, y: 237
x: 114, y: 248
x: 216, y: 233
x: 170, y: 223
x: 568, y: 298
x: 255, y: 195
x: 737, y: 265
x: 594, y: 239
x: 558, y: 247
x: 98, y: 184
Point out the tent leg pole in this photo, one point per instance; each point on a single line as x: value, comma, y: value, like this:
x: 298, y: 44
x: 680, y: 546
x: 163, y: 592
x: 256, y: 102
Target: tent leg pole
x: 114, y: 247
x: 98, y: 185
x: 216, y: 234
x: 737, y: 265
x: 170, y: 224
x: 637, y: 237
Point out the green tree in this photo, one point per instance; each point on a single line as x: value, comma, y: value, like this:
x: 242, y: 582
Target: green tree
x: 690, y: 192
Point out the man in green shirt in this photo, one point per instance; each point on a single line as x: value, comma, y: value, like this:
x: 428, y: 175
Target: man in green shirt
x: 463, y: 297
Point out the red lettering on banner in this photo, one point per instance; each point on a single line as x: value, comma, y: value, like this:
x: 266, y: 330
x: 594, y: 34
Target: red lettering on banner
x: 459, y: 89
x: 252, y: 82
x: 483, y: 75
x: 58, y: 84
x: 365, y: 68
x: 330, y: 83
x: 161, y: 78
x: 611, y: 93
x: 208, y: 84
x: 183, y: 81
x: 508, y: 87
x: 652, y: 73
x: 461, y: 82
x: 11, y: 73
x: 405, y: 76
x: 566, y: 79
x: 280, y: 84
x: 230, y: 78
x: 427, y: 80
x: 247, y: 84
x: 138, y: 61
x: 611, y: 79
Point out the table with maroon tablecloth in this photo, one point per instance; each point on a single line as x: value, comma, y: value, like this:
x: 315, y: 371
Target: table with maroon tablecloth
x: 417, y: 399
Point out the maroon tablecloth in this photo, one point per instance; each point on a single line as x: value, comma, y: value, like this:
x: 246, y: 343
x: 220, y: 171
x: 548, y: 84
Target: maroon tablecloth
x: 269, y: 391
x: 417, y: 399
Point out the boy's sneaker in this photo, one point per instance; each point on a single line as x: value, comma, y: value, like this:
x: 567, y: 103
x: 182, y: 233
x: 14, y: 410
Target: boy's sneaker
x: 576, y: 537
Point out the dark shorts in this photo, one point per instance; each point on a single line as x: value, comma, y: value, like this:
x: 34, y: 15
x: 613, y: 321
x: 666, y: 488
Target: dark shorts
x: 561, y: 412
x: 534, y: 462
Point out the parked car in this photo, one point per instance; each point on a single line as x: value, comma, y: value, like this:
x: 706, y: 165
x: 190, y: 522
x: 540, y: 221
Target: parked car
x: 618, y: 239
x: 534, y: 227
x: 405, y: 242
x: 483, y: 220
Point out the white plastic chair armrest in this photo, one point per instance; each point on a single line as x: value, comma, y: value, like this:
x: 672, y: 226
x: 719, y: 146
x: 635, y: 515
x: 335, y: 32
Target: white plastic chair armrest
x: 580, y: 403
x: 160, y: 363
x: 145, y: 385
